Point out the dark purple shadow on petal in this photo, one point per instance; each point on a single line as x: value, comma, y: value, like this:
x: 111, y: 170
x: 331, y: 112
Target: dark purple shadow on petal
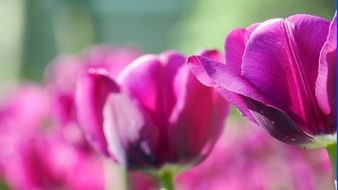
x: 132, y: 137
x: 277, y: 123
x: 137, y: 157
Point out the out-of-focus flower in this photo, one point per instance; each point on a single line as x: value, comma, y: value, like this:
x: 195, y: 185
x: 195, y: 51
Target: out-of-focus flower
x: 247, y: 152
x: 154, y: 114
x: 62, y: 74
x: 40, y: 140
x: 264, y: 162
x: 51, y: 163
x: 27, y: 106
x: 15, y: 112
x: 32, y: 156
x: 280, y: 74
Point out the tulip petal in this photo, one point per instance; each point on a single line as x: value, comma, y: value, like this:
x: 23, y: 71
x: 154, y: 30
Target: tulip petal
x: 111, y: 58
x: 130, y: 133
x: 197, y: 119
x: 250, y: 103
x: 234, y: 47
x: 212, y: 54
x: 91, y: 93
x: 199, y: 71
x: 326, y: 81
x: 281, y: 60
x: 229, y: 84
x: 149, y: 79
x: 277, y: 123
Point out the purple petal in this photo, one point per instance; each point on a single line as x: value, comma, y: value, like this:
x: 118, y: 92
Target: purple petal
x: 197, y: 119
x: 131, y: 135
x: 277, y: 123
x: 250, y: 103
x: 111, y: 58
x: 149, y: 80
x: 199, y: 71
x: 234, y: 47
x: 91, y: 93
x: 212, y: 54
x: 229, y: 84
x: 326, y: 81
x: 281, y: 60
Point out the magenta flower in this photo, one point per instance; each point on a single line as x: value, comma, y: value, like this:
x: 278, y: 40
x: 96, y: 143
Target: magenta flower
x: 46, y: 163
x: 280, y: 74
x: 25, y: 110
x: 61, y: 76
x: 30, y: 158
x: 154, y: 114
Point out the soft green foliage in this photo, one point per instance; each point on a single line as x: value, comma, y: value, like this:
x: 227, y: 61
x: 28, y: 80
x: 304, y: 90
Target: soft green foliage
x: 207, y: 22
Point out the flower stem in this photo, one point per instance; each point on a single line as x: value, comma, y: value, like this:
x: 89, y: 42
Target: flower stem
x: 332, y: 151
x: 165, y: 180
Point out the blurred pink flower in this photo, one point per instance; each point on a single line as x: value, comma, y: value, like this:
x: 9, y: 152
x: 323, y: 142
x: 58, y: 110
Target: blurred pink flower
x: 32, y: 155
x: 153, y: 114
x: 50, y: 163
x: 27, y: 106
x: 62, y: 74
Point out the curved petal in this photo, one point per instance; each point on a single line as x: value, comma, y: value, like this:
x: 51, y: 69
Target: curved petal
x: 281, y: 60
x: 229, y: 84
x: 234, y: 46
x: 199, y: 71
x: 251, y: 103
x: 198, y: 117
x: 111, y: 58
x: 91, y: 93
x: 326, y: 80
x: 131, y: 136
x: 211, y: 54
x: 149, y: 80
x: 277, y: 123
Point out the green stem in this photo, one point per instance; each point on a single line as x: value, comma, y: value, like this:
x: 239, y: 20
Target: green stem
x: 165, y: 180
x: 331, y: 150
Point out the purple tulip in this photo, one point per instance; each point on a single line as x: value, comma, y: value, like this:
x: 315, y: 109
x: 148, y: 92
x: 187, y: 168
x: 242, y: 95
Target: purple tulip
x: 280, y: 74
x: 154, y: 114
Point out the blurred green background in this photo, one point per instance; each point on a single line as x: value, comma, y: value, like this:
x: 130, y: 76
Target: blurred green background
x: 34, y: 32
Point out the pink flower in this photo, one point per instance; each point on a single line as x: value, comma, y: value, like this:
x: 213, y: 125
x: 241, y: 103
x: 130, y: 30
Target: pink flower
x: 280, y: 74
x: 62, y: 75
x: 155, y: 113
x: 30, y: 158
x: 48, y: 163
